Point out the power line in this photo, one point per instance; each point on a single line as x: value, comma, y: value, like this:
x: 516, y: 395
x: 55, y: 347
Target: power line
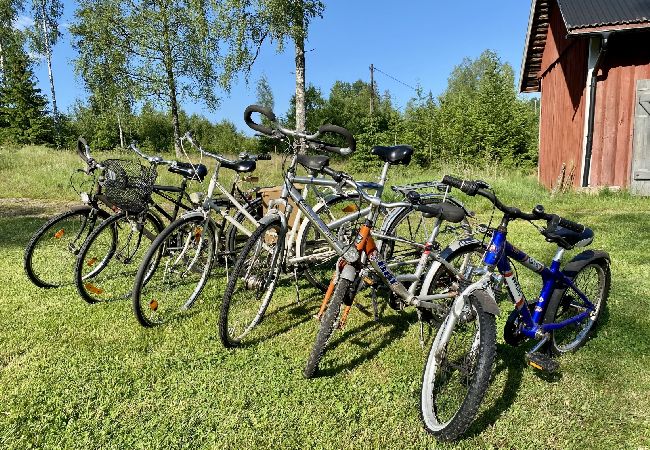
x: 394, y: 79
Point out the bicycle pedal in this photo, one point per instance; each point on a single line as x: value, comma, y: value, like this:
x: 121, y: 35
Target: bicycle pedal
x: 542, y: 362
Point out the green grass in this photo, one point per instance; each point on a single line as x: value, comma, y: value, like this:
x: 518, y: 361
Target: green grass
x: 74, y: 375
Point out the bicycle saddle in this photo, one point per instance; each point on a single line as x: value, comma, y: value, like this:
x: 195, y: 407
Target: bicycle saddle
x: 398, y: 154
x: 445, y: 211
x: 317, y: 162
x: 568, y: 239
x: 242, y: 165
x: 196, y: 172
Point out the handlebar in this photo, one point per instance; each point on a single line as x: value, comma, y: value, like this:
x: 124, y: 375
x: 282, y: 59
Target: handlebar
x: 83, y: 150
x: 221, y: 159
x: 313, y: 139
x: 157, y: 160
x: 478, y: 187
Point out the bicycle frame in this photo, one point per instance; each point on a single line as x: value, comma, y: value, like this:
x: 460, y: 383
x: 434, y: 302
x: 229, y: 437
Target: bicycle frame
x: 497, y: 256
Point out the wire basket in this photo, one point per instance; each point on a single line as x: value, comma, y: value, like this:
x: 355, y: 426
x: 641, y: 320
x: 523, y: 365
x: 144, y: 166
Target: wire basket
x: 127, y: 184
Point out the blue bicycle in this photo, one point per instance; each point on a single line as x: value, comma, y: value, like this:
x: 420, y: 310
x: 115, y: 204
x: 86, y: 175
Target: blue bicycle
x: 460, y: 361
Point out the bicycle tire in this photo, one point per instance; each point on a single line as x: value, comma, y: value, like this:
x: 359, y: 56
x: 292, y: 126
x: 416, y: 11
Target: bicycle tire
x: 262, y: 285
x: 559, y: 303
x: 178, y: 242
x: 67, y: 256
x: 109, y: 285
x: 477, y: 379
x: 327, y: 326
x: 319, y: 274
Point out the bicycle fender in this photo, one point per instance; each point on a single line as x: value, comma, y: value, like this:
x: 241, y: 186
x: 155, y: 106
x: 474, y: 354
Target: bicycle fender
x: 445, y: 254
x: 100, y: 212
x: 487, y: 301
x: 572, y: 267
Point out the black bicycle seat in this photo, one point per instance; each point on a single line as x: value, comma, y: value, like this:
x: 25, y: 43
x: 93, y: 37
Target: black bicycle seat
x: 568, y: 239
x: 242, y: 165
x: 397, y: 154
x: 314, y: 162
x: 189, y: 171
x: 445, y: 211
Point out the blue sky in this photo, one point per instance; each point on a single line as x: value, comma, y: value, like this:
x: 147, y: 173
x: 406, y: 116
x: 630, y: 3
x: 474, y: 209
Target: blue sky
x: 415, y: 41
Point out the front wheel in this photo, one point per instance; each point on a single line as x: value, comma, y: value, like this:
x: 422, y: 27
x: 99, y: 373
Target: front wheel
x: 328, y: 323
x: 51, y: 252
x: 251, y: 284
x: 174, y: 270
x: 456, y: 376
x: 593, y: 280
x: 109, y: 259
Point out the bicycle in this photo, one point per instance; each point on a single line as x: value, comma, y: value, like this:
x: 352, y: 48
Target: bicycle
x: 176, y: 267
x: 109, y: 255
x: 51, y: 252
x: 460, y: 360
x: 258, y: 268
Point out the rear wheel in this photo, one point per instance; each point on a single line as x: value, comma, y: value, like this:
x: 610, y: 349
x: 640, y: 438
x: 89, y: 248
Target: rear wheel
x: 456, y: 376
x: 174, y: 270
x: 51, y: 253
x: 593, y: 280
x: 251, y: 284
x: 110, y: 257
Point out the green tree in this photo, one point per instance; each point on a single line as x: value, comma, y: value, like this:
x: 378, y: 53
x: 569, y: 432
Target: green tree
x: 43, y: 37
x: 23, y: 115
x: 8, y: 35
x: 164, y: 50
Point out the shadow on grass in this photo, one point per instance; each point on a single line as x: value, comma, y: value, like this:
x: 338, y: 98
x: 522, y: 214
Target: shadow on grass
x: 15, y: 232
x: 511, y: 361
x: 396, y: 325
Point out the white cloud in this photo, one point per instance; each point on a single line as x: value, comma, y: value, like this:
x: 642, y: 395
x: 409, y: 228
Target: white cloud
x: 23, y: 22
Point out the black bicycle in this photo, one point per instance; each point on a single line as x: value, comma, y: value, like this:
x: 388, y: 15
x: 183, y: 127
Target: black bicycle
x: 109, y: 258
x: 50, y: 255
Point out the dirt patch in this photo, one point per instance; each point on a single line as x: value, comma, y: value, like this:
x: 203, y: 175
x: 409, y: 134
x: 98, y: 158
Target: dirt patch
x: 29, y: 207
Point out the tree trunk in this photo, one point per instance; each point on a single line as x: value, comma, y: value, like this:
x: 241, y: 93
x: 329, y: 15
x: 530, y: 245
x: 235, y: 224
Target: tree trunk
x: 300, y: 88
x: 2, y: 64
x: 171, y: 84
x: 48, y: 56
x: 119, y: 126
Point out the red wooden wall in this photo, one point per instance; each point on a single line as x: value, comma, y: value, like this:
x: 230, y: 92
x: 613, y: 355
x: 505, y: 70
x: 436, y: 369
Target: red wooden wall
x: 564, y: 75
x: 564, y: 94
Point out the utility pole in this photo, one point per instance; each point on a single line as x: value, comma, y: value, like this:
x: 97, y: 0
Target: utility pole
x: 372, y: 88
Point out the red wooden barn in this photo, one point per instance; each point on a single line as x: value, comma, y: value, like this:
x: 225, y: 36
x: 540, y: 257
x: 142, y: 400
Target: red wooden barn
x: 590, y: 59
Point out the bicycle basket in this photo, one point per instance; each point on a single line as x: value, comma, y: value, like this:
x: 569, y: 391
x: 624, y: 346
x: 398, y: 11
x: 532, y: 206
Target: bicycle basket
x: 127, y: 184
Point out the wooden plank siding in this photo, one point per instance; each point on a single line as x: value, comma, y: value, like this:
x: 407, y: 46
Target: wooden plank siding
x: 564, y: 75
x: 627, y: 60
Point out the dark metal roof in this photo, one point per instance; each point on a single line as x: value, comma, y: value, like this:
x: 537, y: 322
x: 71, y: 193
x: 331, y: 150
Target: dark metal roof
x: 597, y: 13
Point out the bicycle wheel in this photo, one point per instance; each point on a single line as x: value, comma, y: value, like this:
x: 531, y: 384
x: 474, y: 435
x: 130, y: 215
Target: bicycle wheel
x: 51, y: 252
x: 593, y: 280
x: 455, y: 382
x: 251, y: 284
x: 109, y: 259
x: 328, y: 324
x: 174, y: 270
x: 319, y: 267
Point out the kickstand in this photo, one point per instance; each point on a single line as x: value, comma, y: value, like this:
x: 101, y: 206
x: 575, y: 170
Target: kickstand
x: 295, y: 278
x: 375, y: 309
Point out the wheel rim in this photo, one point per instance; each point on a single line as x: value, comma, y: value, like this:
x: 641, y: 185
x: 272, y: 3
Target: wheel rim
x: 54, y: 255
x: 254, y: 287
x: 176, y: 272
x: 591, y: 281
x: 447, y: 380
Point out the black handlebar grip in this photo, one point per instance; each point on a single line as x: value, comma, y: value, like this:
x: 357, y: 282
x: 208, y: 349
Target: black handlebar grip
x: 336, y: 176
x: 264, y: 157
x: 349, y: 139
x: 452, y: 181
x: 81, y: 148
x: 256, y: 126
x: 571, y: 225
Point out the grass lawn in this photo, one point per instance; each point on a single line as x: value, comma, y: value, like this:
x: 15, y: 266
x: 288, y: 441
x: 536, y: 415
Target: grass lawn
x: 74, y: 375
